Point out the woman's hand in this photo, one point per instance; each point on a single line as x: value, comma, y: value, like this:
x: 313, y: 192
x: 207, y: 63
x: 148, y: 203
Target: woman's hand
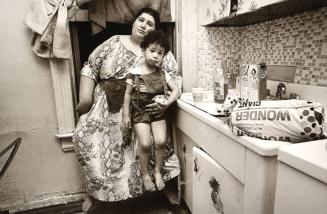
x: 159, y: 107
x: 156, y: 109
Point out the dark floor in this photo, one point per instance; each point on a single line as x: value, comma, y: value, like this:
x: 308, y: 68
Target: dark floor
x: 151, y: 204
x: 154, y: 204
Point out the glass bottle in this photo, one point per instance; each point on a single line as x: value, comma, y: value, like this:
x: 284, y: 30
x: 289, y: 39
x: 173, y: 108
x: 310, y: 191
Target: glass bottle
x: 220, y: 85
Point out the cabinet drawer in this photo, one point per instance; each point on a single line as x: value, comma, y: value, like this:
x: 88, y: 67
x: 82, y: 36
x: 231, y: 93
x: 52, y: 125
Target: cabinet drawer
x: 227, y: 152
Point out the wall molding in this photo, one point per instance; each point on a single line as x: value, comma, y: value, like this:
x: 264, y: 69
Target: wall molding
x: 186, y: 25
x: 63, y: 83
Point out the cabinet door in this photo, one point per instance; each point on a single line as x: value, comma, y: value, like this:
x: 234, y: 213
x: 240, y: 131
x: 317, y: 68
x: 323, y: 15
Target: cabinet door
x: 214, y: 189
x: 214, y: 10
x: 246, y: 6
x: 185, y: 155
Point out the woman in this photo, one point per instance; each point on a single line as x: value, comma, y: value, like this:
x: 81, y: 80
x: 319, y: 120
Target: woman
x: 112, y: 172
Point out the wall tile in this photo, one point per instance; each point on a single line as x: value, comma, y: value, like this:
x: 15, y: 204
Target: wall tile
x: 299, y: 40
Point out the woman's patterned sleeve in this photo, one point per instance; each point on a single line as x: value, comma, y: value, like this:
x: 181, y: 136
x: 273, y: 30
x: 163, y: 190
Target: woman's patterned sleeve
x: 170, y: 66
x: 92, y: 66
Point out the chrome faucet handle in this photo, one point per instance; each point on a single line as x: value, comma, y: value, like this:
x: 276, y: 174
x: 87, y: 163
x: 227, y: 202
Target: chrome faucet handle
x: 281, y: 90
x: 294, y: 96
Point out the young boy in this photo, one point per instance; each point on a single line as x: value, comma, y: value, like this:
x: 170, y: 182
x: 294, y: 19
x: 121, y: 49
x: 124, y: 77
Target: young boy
x: 144, y: 82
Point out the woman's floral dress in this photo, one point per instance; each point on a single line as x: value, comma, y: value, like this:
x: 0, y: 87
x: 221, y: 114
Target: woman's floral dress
x: 112, y: 172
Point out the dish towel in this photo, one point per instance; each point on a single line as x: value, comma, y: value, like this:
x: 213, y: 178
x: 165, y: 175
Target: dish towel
x: 48, y: 19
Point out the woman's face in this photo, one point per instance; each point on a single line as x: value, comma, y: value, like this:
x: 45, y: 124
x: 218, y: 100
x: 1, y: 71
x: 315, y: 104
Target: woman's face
x: 143, y: 25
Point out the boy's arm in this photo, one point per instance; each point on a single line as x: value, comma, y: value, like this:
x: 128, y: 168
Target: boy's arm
x: 126, y: 106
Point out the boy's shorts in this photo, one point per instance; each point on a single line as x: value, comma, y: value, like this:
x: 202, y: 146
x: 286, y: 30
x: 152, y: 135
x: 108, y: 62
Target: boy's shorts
x: 139, y: 115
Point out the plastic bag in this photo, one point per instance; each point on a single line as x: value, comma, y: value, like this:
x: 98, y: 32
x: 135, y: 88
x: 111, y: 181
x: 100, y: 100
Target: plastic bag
x: 283, y: 120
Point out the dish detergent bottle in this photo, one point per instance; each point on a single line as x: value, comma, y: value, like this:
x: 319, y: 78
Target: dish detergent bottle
x: 220, y: 85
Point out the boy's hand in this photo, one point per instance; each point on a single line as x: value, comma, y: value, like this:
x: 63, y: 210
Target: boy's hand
x: 126, y: 129
x: 126, y: 123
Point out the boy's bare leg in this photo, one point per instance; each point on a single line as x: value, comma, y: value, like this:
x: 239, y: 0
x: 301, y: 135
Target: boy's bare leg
x: 144, y: 136
x: 159, y: 131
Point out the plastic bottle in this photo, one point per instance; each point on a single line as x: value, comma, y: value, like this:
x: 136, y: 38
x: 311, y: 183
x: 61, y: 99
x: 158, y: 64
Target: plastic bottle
x: 220, y: 85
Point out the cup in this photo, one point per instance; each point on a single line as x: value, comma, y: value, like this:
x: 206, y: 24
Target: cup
x: 197, y: 94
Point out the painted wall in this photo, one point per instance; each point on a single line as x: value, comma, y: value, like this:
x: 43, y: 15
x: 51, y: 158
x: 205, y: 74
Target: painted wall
x: 299, y: 40
x: 41, y: 174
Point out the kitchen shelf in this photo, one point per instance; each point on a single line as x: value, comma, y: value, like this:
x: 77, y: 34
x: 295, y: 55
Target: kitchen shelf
x: 269, y: 12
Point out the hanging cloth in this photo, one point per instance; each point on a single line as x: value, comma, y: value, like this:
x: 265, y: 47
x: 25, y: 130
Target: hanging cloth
x: 123, y: 11
x: 48, y: 19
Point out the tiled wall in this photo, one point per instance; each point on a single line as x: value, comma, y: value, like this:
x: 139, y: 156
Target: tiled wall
x: 299, y: 40
x: 214, y: 45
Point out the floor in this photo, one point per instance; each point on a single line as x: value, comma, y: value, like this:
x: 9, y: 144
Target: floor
x: 153, y: 204
x: 148, y: 205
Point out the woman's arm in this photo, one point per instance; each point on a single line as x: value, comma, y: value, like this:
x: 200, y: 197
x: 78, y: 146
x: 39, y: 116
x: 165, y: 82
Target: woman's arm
x: 126, y: 106
x: 85, y: 94
x: 176, y: 91
x: 169, y: 65
x: 90, y: 73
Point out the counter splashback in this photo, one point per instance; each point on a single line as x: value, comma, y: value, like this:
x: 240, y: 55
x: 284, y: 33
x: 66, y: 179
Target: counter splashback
x: 306, y: 92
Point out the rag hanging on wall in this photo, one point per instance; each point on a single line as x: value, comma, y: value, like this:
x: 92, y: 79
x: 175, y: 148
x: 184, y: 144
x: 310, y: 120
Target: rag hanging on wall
x: 48, y: 19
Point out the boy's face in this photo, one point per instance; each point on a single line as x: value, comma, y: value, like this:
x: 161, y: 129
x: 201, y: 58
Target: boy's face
x: 154, y: 54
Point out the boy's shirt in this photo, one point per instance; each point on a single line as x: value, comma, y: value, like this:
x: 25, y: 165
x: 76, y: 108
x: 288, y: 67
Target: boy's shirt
x: 137, y: 71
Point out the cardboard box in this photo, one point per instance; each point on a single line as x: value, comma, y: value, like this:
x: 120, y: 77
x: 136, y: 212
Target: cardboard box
x: 247, y: 6
x: 253, y: 82
x: 215, y: 10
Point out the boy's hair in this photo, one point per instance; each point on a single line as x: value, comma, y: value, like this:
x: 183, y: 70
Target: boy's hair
x: 156, y: 37
x: 151, y: 12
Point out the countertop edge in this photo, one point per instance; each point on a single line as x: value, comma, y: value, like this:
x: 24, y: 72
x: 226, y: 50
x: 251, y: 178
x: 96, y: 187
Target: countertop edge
x: 262, y: 147
x: 308, y: 158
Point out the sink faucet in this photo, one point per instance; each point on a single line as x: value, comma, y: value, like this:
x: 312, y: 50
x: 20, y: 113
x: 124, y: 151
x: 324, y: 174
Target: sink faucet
x: 281, y: 90
x: 294, y: 96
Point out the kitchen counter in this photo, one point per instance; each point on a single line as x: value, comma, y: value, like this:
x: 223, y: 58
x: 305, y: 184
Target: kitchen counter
x: 206, y: 112
x: 245, y: 166
x: 302, y: 168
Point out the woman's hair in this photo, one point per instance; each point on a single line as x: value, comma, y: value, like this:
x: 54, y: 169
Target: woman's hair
x: 156, y: 37
x: 152, y: 13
